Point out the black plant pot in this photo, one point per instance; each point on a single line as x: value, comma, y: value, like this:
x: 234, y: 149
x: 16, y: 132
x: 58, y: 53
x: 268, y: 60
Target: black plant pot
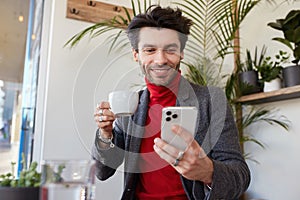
x: 248, y: 82
x: 19, y: 193
x: 291, y: 76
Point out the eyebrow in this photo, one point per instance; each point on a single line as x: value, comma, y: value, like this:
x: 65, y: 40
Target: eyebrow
x: 165, y: 47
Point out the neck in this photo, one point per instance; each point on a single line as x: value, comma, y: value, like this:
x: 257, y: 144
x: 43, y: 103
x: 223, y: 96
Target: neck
x: 159, y: 92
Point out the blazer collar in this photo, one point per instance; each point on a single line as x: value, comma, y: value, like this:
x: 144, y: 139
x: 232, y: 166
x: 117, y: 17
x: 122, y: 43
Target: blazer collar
x: 186, y: 94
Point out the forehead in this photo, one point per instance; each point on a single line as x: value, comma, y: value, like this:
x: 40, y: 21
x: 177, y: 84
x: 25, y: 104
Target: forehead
x: 158, y: 36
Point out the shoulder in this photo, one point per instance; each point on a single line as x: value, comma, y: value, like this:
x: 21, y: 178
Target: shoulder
x: 208, y: 92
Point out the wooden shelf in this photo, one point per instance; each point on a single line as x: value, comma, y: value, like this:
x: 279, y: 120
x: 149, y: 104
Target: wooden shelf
x: 94, y: 11
x: 266, y: 97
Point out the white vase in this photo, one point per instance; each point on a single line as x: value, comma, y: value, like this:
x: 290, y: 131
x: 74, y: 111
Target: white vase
x: 275, y: 84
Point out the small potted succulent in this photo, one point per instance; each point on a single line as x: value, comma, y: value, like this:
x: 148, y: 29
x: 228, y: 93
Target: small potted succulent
x: 26, y: 187
x: 270, y: 71
x: 290, y: 26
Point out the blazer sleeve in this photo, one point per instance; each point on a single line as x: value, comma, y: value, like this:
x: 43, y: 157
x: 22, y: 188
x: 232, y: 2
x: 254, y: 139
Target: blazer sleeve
x: 231, y: 176
x: 108, y: 160
x: 220, y: 141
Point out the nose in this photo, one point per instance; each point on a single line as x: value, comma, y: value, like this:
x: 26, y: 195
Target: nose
x: 160, y: 57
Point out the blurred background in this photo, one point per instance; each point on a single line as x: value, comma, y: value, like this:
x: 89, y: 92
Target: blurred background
x: 14, y: 23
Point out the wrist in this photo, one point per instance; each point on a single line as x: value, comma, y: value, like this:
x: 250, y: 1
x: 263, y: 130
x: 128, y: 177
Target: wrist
x: 105, y: 140
x: 207, y: 180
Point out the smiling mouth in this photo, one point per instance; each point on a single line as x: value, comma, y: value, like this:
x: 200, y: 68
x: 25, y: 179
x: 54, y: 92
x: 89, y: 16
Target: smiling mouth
x: 160, y: 72
x: 160, y: 69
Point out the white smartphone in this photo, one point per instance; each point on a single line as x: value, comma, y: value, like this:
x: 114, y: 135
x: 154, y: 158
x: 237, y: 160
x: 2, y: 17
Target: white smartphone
x: 185, y: 117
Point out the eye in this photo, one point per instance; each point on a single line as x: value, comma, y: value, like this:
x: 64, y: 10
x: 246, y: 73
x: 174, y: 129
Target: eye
x: 149, y: 50
x: 171, y: 50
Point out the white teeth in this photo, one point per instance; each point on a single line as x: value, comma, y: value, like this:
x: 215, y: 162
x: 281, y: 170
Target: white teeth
x: 159, y: 70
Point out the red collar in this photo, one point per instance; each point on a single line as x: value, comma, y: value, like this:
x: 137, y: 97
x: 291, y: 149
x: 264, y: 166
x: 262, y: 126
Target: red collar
x: 163, y: 94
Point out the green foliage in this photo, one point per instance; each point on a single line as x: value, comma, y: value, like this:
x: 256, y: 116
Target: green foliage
x: 255, y: 115
x: 52, y: 173
x: 251, y: 63
x: 203, y: 74
x: 252, y: 115
x: 269, y: 69
x: 290, y: 26
x: 115, y: 27
x: 212, y: 36
x: 246, y: 68
x: 56, y: 176
x: 195, y: 75
x: 232, y: 90
x: 215, y: 24
x: 28, y: 178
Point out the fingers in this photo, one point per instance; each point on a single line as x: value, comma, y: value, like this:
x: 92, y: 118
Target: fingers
x: 102, y: 109
x: 103, y: 112
x: 104, y: 117
x: 183, y: 134
x: 168, y: 152
x: 163, y: 154
x: 193, y: 148
x: 172, y: 155
x: 103, y: 105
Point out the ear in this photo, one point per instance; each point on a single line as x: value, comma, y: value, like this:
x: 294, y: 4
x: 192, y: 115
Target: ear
x: 135, y: 55
x: 181, y: 55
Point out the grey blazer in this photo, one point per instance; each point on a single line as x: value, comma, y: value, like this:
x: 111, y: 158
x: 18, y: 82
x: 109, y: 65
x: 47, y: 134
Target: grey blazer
x: 216, y: 133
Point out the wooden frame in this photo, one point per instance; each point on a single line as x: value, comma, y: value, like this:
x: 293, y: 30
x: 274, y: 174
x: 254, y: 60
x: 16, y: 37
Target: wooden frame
x: 94, y: 11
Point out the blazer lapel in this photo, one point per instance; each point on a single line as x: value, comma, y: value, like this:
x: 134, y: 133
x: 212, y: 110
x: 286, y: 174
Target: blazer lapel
x: 186, y: 94
x: 136, y: 129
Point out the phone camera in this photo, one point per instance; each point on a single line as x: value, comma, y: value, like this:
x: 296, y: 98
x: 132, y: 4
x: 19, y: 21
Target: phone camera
x: 174, y: 116
x: 168, y: 119
x: 169, y: 113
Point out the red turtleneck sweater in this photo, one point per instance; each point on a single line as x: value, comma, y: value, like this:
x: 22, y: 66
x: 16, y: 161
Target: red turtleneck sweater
x: 158, y: 180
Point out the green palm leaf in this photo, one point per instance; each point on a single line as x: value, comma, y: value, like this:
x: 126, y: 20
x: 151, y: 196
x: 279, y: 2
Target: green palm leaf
x: 117, y: 23
x: 203, y: 15
x: 199, y: 74
x: 195, y: 75
x: 264, y: 115
x: 212, y: 36
x: 251, y: 139
x: 228, y: 23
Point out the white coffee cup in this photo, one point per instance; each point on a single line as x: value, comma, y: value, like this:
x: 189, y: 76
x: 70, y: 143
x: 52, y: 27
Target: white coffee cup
x: 123, y: 102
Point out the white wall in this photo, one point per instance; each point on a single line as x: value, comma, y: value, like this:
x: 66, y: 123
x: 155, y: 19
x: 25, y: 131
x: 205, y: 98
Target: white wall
x: 276, y: 175
x: 71, y: 82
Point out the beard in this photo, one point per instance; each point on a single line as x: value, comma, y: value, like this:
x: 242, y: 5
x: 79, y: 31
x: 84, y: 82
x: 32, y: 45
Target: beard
x: 160, y: 75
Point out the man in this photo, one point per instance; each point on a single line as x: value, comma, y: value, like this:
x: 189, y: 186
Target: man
x: 212, y: 166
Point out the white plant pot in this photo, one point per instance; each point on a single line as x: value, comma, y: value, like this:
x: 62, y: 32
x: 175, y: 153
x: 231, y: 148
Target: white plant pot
x: 272, y: 85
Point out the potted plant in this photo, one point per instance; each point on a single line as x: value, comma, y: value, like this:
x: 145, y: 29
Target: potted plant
x: 248, y: 74
x: 290, y: 26
x: 271, y: 71
x: 26, y: 187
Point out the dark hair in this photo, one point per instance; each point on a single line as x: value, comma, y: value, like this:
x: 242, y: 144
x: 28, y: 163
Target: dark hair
x: 159, y: 17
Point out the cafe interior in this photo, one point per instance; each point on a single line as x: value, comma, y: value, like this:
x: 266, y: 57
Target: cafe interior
x: 49, y: 90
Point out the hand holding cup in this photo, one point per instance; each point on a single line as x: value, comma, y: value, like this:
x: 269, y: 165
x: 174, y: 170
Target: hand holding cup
x: 121, y: 103
x: 104, y: 118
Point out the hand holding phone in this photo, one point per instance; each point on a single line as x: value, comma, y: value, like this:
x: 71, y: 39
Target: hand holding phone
x: 183, y: 116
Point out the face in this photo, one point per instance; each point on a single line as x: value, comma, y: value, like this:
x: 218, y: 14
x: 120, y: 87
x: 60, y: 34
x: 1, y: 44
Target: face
x: 158, y: 54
